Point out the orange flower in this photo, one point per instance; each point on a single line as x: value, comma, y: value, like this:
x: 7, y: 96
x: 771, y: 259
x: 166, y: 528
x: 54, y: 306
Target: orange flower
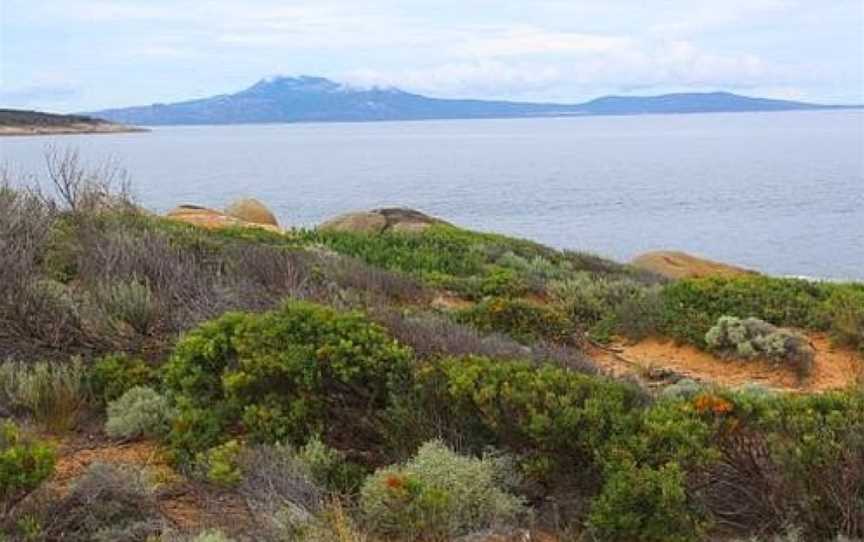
x: 395, y: 482
x: 711, y: 403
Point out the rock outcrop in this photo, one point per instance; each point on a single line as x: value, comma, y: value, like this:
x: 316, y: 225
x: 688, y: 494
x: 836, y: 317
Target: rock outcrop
x: 380, y: 220
x: 679, y: 265
x: 212, y: 219
x: 252, y: 210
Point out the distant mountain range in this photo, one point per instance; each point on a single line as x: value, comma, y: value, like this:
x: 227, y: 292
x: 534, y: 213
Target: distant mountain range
x: 316, y: 99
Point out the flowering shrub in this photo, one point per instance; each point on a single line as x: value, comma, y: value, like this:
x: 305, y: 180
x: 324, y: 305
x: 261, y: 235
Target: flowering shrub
x: 524, y: 321
x: 439, y: 495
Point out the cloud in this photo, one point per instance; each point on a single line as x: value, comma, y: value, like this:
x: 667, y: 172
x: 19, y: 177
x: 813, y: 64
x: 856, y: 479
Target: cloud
x: 31, y: 95
x: 479, y: 78
x: 583, y: 65
x: 530, y: 40
x: 131, y: 51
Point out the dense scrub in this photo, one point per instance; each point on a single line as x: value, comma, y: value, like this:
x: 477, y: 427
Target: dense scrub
x: 309, y: 376
x: 284, y: 374
x: 473, y: 264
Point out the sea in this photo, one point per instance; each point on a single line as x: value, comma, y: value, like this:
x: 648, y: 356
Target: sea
x: 779, y: 192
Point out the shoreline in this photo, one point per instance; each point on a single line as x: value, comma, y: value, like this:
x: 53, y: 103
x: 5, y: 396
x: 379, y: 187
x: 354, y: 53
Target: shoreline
x: 70, y: 129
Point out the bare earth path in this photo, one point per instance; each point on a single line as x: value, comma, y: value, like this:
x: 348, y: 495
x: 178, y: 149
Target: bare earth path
x: 833, y: 368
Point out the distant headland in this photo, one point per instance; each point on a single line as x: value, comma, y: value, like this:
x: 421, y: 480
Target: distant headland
x: 316, y: 99
x: 18, y: 122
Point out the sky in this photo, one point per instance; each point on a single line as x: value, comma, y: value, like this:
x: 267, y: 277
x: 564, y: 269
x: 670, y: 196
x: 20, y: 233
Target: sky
x: 80, y: 55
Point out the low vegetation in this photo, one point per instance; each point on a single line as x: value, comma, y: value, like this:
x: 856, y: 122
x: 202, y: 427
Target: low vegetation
x: 396, y: 387
x: 24, y: 464
x: 753, y: 338
x: 439, y: 495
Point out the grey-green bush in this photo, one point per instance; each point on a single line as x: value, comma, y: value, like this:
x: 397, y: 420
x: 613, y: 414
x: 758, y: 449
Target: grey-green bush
x: 139, y: 412
x: 440, y: 494
x: 55, y: 394
x: 130, y: 302
x: 684, y: 389
x: 752, y: 338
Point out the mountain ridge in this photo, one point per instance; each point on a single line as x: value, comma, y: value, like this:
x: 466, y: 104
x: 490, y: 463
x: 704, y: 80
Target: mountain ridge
x: 318, y: 99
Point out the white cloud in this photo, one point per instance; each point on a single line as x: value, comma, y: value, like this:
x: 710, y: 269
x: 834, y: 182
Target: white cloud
x: 582, y: 64
x: 532, y: 40
x: 550, y: 50
x: 479, y: 78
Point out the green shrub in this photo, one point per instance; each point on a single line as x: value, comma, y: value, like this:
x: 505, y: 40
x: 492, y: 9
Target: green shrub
x: 692, y: 306
x: 55, y: 394
x: 113, y: 375
x: 211, y: 536
x: 439, y: 495
x: 753, y: 338
x: 644, y: 504
x: 221, y: 464
x: 471, y: 263
x: 284, y: 374
x: 845, y: 310
x: 685, y: 388
x: 553, y: 419
x: 525, y: 321
x: 141, y: 411
x: 329, y: 467
x: 24, y: 465
x: 130, y: 302
x: 606, y: 305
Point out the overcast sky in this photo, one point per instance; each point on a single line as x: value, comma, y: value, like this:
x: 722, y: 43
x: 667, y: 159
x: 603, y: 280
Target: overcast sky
x: 73, y: 55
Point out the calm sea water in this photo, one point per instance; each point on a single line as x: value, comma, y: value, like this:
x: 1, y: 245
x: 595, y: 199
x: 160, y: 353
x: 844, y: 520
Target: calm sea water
x: 780, y: 192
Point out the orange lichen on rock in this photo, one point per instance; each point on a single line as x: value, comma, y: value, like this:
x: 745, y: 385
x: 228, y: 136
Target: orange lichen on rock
x: 678, y: 265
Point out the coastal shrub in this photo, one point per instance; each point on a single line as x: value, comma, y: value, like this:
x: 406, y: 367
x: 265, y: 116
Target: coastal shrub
x: 645, y: 504
x: 355, y: 274
x: 106, y: 503
x: 471, y: 263
x: 42, y: 313
x: 438, y: 495
x: 129, y: 302
x: 86, y: 188
x: 221, y: 464
x: 25, y: 309
x: 684, y: 388
x: 54, y: 394
x: 553, y: 419
x: 640, y: 314
x: 285, y: 374
x: 330, y: 468
x: 211, y: 536
x: 525, y: 321
x: 140, y: 412
x: 753, y: 338
x: 789, y: 460
x: 333, y: 523
x: 24, y: 464
x: 845, y: 310
x: 279, y: 486
x: 606, y: 305
x: 113, y: 375
x: 692, y: 306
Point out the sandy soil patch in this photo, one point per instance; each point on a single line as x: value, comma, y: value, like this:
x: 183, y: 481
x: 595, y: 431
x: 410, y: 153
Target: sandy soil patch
x: 833, y: 368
